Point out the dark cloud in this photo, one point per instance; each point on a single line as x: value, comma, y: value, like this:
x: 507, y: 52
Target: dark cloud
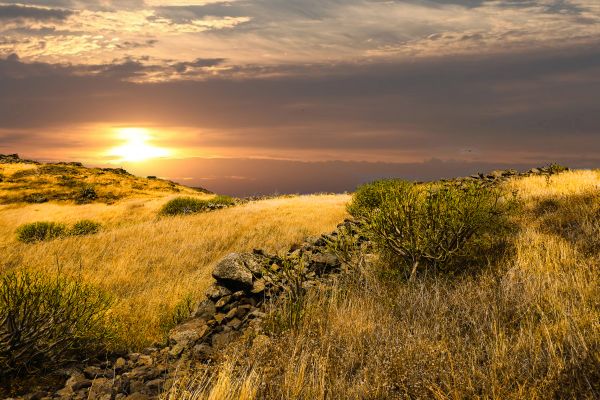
x: 542, y: 102
x: 183, y: 67
x: 14, y: 11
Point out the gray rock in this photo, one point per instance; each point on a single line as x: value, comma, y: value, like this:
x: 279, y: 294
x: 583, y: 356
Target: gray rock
x: 205, y: 310
x: 235, y: 270
x: 189, y: 332
x: 215, y: 292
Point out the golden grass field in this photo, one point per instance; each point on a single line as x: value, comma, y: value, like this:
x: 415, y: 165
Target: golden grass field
x: 149, y: 263
x: 527, y: 326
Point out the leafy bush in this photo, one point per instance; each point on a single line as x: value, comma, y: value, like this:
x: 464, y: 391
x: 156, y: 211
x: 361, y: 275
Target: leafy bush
x: 85, y: 227
x: 370, y: 196
x: 191, y: 205
x: 46, y: 322
x: 86, y: 195
x: 428, y: 225
x: 39, y: 231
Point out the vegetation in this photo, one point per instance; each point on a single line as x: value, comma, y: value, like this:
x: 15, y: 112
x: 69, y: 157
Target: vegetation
x: 129, y: 258
x: 46, y: 322
x: 85, y: 227
x: 526, y: 327
x: 40, y: 231
x: 420, y: 226
x: 192, y: 205
x: 32, y: 183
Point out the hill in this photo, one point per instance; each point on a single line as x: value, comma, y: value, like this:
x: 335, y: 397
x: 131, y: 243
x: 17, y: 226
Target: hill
x: 27, y: 181
x: 148, y: 263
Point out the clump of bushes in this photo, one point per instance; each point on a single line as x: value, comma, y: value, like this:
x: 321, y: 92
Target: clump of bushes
x: 85, y: 227
x: 47, y: 322
x: 429, y: 226
x: 43, y: 230
x: 40, y: 231
x: 192, y: 205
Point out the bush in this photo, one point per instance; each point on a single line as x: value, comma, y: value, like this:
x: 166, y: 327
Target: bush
x: 428, y: 225
x: 85, y: 227
x: 39, y: 231
x: 86, y: 195
x: 370, y: 196
x: 47, y: 322
x: 191, y: 205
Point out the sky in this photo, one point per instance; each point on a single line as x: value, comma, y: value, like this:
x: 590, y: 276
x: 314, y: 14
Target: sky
x: 261, y: 96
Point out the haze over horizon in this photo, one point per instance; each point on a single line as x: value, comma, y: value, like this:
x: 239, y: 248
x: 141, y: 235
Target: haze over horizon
x: 255, y: 96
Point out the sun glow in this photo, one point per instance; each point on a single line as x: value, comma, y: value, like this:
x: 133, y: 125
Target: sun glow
x: 136, y: 147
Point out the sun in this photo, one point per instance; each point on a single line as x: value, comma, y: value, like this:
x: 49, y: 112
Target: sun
x: 136, y: 147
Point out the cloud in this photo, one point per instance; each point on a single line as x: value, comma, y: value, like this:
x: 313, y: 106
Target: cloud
x: 15, y: 11
x: 527, y: 106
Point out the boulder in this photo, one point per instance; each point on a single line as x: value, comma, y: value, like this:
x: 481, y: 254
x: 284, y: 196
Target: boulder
x: 235, y: 271
x: 188, y: 332
x: 205, y: 310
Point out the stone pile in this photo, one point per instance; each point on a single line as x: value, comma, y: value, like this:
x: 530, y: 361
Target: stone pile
x: 246, y: 286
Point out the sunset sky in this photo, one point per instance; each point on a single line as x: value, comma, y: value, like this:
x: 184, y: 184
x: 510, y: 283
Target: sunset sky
x: 253, y: 96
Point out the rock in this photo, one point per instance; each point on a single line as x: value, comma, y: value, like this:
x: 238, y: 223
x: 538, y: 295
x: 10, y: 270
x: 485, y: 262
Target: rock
x: 231, y: 314
x: 235, y: 323
x: 219, y: 317
x: 101, y: 389
x: 496, y: 174
x: 93, y: 372
x: 324, y: 261
x: 216, y: 292
x: 39, y: 395
x: 203, y: 351
x: 223, y: 301
x: 81, y: 384
x: 154, y: 385
x: 235, y: 270
x: 137, y: 396
x: 258, y: 286
x: 188, y: 332
x: 176, y: 350
x: 221, y: 340
x: 120, y: 364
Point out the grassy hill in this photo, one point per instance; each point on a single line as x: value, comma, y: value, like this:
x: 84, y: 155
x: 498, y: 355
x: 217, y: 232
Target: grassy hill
x: 522, y: 321
x: 24, y: 181
x: 148, y: 263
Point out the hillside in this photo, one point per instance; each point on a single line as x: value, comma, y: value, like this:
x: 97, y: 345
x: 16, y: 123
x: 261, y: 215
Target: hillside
x: 292, y: 315
x: 26, y: 181
x: 148, y: 263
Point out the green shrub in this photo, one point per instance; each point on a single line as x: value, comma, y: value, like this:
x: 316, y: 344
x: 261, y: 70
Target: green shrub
x: 422, y: 226
x: 369, y: 196
x: 191, y: 205
x: 86, y: 195
x: 85, y: 227
x: 39, y: 231
x: 47, y: 322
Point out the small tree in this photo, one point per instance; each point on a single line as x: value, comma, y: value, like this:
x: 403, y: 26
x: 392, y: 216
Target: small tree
x: 428, y: 225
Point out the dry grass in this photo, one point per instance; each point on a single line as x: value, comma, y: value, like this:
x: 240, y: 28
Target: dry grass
x: 149, y: 264
x: 64, y: 182
x: 525, y: 327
